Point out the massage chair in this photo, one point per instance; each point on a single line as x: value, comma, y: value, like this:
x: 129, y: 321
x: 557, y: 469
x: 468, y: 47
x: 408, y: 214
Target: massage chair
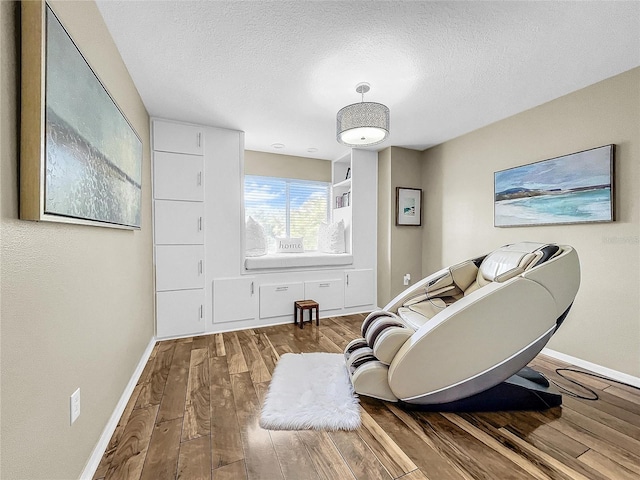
x: 460, y: 339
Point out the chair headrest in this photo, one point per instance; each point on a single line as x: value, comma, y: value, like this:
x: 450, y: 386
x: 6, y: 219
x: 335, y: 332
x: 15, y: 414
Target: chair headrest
x: 511, y: 260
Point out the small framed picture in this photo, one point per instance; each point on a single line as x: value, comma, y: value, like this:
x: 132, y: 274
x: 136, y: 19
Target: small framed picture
x: 408, y: 206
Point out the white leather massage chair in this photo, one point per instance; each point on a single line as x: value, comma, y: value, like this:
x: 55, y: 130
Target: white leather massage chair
x: 460, y: 339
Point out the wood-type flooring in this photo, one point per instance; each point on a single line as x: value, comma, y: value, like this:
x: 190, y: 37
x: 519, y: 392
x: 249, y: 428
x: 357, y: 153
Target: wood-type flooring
x: 194, y: 415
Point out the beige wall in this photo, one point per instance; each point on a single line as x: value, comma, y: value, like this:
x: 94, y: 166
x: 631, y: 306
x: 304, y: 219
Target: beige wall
x: 399, y: 247
x: 604, y: 324
x: 286, y: 166
x: 77, y: 301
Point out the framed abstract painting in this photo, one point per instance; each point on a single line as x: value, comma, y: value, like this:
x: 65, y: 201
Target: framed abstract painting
x: 80, y: 159
x: 574, y: 188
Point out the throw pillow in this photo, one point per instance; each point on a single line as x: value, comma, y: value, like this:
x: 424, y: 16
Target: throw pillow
x: 256, y: 240
x: 331, y: 237
x: 290, y: 245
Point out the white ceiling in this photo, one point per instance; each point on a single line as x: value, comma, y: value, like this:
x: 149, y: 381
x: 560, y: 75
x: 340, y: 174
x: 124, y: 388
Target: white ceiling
x: 280, y: 70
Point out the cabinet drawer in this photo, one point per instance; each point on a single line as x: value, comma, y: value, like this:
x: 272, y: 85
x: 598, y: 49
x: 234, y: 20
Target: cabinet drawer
x: 277, y: 300
x: 328, y: 293
x: 179, y: 267
x: 178, y: 177
x: 180, y: 312
x: 178, y: 222
x: 173, y: 137
x: 234, y: 299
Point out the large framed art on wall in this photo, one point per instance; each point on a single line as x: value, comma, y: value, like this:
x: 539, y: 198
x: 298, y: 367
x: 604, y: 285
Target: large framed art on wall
x: 574, y: 188
x: 80, y: 159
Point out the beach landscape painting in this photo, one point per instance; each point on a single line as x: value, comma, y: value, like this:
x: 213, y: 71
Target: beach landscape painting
x: 575, y: 188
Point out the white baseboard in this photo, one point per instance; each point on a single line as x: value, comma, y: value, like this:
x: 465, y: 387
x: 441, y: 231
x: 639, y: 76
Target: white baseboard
x: 103, y: 442
x: 595, y: 368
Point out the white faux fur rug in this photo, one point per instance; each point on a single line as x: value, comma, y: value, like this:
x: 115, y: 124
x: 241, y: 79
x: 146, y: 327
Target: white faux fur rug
x: 310, y: 391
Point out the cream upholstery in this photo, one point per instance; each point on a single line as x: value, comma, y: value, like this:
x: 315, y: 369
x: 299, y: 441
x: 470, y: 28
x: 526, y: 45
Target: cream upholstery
x: 465, y: 328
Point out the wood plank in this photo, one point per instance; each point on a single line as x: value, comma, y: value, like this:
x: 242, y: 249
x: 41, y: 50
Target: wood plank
x: 216, y: 345
x: 293, y: 457
x: 325, y: 456
x: 235, y: 357
x: 602, y: 445
x: 524, y: 463
x: 233, y: 471
x: 173, y: 401
x: 416, y: 475
x: 151, y: 393
x: 194, y: 462
x: 358, y: 456
x: 162, y: 456
x: 603, y: 431
x: 257, y: 368
x: 105, y: 462
x: 197, y: 412
x: 226, y: 443
x: 607, y: 467
x: 388, y: 452
x: 260, y: 456
x: 130, y: 455
x: 625, y: 393
x: 201, y: 341
x: 590, y: 410
x: 548, y: 459
x: 407, y: 432
x: 268, y: 353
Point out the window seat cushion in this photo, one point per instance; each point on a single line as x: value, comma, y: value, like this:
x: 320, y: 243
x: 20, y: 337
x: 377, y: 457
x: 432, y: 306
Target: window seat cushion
x: 297, y: 260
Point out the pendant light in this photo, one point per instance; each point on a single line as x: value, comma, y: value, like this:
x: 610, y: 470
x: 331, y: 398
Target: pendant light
x: 362, y: 124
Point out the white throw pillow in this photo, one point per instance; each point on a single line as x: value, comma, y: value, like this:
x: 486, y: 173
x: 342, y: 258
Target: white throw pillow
x: 331, y: 237
x: 256, y: 240
x: 289, y: 245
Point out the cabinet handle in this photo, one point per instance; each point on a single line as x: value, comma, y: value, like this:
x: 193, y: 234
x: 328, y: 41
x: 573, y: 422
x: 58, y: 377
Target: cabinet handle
x: 200, y: 267
x: 199, y: 178
x: 251, y: 288
x: 347, y: 279
x: 199, y: 138
x: 199, y: 224
x: 201, y: 312
x: 324, y: 285
x: 282, y: 289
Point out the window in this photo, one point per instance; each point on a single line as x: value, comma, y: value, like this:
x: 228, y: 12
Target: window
x: 286, y: 207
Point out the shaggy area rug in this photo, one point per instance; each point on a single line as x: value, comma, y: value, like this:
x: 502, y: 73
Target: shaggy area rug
x: 310, y: 391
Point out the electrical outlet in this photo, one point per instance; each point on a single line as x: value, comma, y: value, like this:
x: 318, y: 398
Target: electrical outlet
x: 75, y: 405
x: 407, y: 278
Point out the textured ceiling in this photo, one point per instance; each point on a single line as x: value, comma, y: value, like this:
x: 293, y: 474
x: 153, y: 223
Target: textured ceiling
x: 280, y: 71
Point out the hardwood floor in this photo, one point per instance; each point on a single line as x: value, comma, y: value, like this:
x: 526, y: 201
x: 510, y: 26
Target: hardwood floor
x: 194, y: 415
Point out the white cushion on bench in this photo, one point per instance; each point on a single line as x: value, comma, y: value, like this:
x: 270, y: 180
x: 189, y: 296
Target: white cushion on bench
x: 296, y: 260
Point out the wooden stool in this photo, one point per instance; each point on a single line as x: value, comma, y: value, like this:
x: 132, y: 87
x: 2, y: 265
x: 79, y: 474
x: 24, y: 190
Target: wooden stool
x: 302, y: 305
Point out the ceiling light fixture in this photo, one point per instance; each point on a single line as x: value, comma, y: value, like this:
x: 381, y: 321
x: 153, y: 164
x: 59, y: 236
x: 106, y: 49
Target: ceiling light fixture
x: 362, y: 124
x: 277, y: 146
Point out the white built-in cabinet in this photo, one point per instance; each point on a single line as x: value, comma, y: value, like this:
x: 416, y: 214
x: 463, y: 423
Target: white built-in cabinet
x: 358, y: 287
x: 198, y: 221
x: 178, y: 207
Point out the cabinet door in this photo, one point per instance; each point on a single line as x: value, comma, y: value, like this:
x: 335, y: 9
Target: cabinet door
x: 178, y: 222
x: 278, y: 300
x: 234, y: 299
x: 176, y: 138
x: 180, y: 312
x: 328, y: 293
x: 358, y: 288
x: 178, y: 177
x: 179, y: 267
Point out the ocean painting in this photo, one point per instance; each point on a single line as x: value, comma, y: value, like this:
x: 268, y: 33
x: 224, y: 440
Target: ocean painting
x: 93, y: 160
x: 575, y: 188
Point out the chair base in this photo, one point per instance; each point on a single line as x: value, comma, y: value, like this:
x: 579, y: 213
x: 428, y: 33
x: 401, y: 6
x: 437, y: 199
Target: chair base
x: 526, y: 390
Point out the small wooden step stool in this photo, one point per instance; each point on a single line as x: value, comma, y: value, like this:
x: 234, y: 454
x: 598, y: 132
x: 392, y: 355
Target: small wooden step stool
x: 300, y: 306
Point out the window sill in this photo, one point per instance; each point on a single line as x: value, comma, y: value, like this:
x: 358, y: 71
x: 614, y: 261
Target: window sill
x: 277, y: 261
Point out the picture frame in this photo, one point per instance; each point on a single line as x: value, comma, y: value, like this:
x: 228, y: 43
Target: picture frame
x: 80, y: 158
x: 408, y: 206
x: 570, y: 189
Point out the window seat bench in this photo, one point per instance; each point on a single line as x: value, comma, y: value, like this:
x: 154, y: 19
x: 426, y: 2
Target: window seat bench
x: 297, y: 260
